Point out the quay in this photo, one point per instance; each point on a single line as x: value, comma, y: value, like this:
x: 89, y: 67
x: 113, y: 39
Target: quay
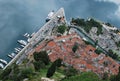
x: 43, y: 32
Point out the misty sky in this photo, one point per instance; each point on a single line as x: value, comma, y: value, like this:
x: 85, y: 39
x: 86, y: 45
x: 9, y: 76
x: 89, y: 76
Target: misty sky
x: 20, y: 16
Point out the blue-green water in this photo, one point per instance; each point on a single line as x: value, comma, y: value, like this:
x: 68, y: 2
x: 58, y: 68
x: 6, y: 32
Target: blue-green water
x: 20, y: 16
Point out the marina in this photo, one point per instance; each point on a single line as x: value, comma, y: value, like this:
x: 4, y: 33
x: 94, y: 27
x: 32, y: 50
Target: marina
x: 12, y: 55
x: 34, y: 39
x: 22, y: 43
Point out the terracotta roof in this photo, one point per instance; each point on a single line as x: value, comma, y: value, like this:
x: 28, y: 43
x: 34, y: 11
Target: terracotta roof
x: 85, y: 55
x: 38, y: 48
x: 51, y: 44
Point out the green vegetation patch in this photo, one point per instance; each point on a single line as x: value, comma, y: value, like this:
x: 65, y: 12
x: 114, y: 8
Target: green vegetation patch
x: 108, y: 24
x: 61, y: 29
x: 53, y: 67
x: 117, y: 43
x: 87, y: 25
x: 98, y: 51
x: 70, y: 71
x: 113, y: 55
x: 86, y: 76
x: 75, y: 47
x: 42, y: 56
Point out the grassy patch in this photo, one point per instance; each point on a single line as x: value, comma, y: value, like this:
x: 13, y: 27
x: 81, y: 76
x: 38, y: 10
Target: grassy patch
x: 42, y: 73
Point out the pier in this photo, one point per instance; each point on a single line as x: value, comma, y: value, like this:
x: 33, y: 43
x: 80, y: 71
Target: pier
x: 43, y: 32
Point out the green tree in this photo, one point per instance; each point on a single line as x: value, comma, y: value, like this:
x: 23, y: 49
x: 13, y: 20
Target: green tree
x: 15, y: 72
x: 26, y: 73
x: 116, y: 31
x: 70, y: 71
x: 16, y: 69
x: 61, y: 29
x: 5, y: 74
x: 51, y: 70
x: 87, y: 25
x: 38, y: 65
x: 115, y: 77
x: 113, y: 55
x: 118, y: 43
x: 93, y: 23
x: 42, y: 56
x: 105, y: 76
x: 75, y: 47
x: 58, y: 62
x: 78, y: 21
x: 98, y: 51
x: 108, y: 24
x: 37, y: 56
x: 96, y: 42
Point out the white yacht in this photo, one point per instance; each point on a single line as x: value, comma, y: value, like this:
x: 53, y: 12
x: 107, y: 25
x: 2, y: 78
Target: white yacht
x: 22, y: 46
x: 50, y: 15
x: 17, y: 50
x: 1, y: 65
x: 3, y: 61
x: 23, y: 42
x: 9, y: 55
x: 26, y: 35
x: 28, y: 40
x: 12, y: 55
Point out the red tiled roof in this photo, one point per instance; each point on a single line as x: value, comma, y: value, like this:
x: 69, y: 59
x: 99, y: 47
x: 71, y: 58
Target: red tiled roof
x: 83, y: 56
x: 38, y: 48
x: 51, y: 43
